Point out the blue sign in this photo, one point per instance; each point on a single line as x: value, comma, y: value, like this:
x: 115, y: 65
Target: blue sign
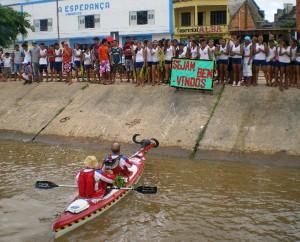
x: 78, y: 9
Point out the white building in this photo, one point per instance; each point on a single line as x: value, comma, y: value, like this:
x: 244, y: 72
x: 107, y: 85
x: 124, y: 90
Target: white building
x: 81, y: 20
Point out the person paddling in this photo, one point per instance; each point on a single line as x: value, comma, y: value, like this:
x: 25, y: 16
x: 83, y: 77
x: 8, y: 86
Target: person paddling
x: 89, y: 179
x: 118, y: 163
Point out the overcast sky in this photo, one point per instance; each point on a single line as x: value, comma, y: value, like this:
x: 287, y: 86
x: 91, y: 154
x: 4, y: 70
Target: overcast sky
x: 270, y: 6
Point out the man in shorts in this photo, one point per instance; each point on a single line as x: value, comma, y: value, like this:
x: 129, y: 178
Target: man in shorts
x: 26, y: 73
x: 103, y: 52
x: 51, y: 59
x: 43, y: 62
x: 17, y: 60
x: 34, y: 52
x: 58, y: 62
x: 116, y: 60
x: 127, y: 50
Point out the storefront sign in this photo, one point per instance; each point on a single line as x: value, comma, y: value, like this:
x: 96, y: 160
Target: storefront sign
x: 201, y: 30
x: 79, y: 9
x: 193, y: 74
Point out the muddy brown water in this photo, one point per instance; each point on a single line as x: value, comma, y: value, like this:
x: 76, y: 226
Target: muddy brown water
x: 196, y: 200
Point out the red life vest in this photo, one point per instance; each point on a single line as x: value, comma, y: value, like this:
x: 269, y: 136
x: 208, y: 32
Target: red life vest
x: 86, y: 184
x: 114, y: 165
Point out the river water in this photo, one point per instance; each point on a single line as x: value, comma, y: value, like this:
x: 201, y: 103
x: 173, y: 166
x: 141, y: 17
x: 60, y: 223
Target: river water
x: 196, y: 201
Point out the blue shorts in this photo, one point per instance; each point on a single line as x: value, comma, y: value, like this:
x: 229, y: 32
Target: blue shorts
x: 51, y: 65
x: 270, y: 63
x: 138, y: 64
x: 149, y: 63
x: 259, y: 62
x: 168, y: 62
x: 297, y: 63
x: 293, y: 63
x: 87, y: 67
x: 236, y: 61
x: 154, y: 63
x: 282, y: 64
x: 222, y: 62
x: 58, y: 66
x: 17, y: 68
x: 77, y: 63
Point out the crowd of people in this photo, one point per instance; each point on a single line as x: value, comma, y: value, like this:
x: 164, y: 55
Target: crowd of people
x: 237, y: 61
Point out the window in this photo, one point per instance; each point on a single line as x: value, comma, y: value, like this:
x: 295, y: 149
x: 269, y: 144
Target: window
x: 186, y: 19
x: 200, y: 18
x: 89, y: 21
x: 141, y: 17
x: 218, y: 17
x: 42, y: 24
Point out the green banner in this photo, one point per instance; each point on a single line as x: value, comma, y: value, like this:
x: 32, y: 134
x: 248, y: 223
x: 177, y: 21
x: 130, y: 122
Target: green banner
x: 195, y: 74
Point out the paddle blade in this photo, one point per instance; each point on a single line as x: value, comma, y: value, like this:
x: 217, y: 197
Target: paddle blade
x: 45, y: 185
x: 146, y: 190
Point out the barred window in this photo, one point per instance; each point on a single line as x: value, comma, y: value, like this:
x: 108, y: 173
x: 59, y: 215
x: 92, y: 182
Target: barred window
x: 141, y: 17
x: 186, y: 19
x: 42, y: 24
x: 218, y: 17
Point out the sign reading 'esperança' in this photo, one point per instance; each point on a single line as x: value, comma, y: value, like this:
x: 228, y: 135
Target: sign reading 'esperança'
x: 195, y: 74
x: 78, y: 9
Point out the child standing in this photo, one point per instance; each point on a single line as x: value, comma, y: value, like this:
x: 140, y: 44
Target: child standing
x: 87, y: 63
x: 7, y: 63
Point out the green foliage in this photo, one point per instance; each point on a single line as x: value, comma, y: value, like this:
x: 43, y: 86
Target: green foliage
x: 120, y: 181
x: 289, y: 24
x: 12, y: 23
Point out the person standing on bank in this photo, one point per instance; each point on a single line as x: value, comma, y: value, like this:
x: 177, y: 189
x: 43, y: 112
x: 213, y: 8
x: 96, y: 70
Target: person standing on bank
x: 260, y: 56
x: 284, y: 64
x: 116, y: 61
x: 51, y: 59
x: 204, y: 51
x: 247, y: 64
x: 66, y: 61
x: 194, y: 50
x: 222, y: 62
x: 103, y: 52
x: 58, y: 62
x: 87, y: 62
x: 169, y: 52
x: 17, y: 60
x: 236, y: 53
x: 271, y: 61
x: 34, y: 52
x: 43, y: 62
x: 127, y: 50
x: 77, y: 58
x: 155, y: 50
x: 149, y: 61
x: 139, y: 64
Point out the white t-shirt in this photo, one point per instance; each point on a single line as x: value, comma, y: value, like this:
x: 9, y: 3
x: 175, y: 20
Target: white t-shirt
x: 261, y: 55
x: 139, y: 56
x: 87, y: 58
x: 169, y: 53
x: 271, y: 54
x: 7, y: 61
x: 155, y: 57
x: 236, y: 50
x: 223, y: 50
x: 149, y: 56
x: 284, y: 58
x: 194, y: 52
x: 43, y: 60
x: 27, y: 56
x: 77, y: 52
x: 57, y: 52
x: 204, y: 53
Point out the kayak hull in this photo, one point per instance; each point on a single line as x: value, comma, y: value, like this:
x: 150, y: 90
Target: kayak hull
x: 68, y: 221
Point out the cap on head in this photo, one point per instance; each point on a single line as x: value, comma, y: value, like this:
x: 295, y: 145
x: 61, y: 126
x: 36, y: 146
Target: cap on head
x: 248, y: 38
x: 33, y: 42
x: 91, y: 162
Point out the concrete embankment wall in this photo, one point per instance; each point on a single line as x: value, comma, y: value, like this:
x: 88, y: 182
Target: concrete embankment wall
x: 233, y: 120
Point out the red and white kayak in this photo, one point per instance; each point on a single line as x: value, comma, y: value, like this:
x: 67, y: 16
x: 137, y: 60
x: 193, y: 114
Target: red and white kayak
x: 81, y: 210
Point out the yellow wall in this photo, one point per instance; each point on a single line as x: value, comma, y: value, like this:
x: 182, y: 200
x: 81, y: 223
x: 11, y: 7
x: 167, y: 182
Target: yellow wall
x: 195, y: 6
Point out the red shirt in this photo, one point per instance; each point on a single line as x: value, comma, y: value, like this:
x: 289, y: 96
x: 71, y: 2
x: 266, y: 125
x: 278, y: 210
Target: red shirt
x: 127, y: 50
x: 67, y: 57
x: 52, y: 58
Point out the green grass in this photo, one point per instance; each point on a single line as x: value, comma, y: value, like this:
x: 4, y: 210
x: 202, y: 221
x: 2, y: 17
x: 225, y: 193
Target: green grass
x: 62, y: 109
x: 202, y: 132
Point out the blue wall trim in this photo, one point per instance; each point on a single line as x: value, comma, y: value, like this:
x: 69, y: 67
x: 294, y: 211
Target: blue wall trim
x: 171, y: 16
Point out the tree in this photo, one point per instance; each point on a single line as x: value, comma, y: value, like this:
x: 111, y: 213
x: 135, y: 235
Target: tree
x: 12, y: 23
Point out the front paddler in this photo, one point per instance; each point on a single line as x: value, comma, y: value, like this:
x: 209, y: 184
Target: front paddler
x: 88, y: 180
x: 118, y: 163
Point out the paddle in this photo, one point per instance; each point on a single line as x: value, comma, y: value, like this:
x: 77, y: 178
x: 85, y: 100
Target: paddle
x: 140, y: 189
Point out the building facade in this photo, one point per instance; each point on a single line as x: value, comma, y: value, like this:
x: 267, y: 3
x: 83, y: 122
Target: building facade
x: 286, y: 17
x: 81, y: 20
x: 200, y: 18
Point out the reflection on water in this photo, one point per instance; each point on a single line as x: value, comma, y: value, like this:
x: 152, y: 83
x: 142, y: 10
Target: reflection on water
x: 196, y: 201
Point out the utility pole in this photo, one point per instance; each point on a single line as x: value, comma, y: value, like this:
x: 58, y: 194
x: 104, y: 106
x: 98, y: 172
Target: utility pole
x: 57, y: 21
